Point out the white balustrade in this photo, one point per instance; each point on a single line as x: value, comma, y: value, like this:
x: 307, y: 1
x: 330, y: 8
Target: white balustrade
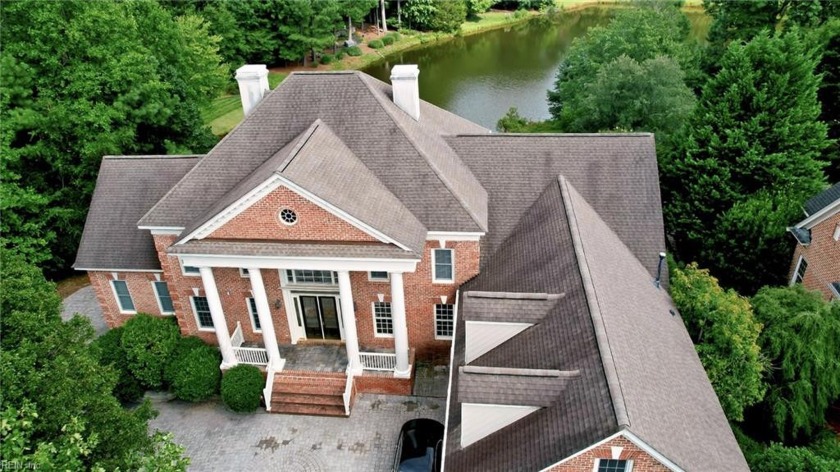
x: 378, y: 361
x: 237, y: 339
x: 269, y: 385
x: 251, y: 355
x: 348, y: 390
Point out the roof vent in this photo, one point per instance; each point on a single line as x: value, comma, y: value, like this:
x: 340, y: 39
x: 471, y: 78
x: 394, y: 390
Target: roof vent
x: 253, y: 85
x: 406, y: 88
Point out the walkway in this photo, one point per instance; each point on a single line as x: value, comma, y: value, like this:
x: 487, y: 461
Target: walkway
x: 218, y: 439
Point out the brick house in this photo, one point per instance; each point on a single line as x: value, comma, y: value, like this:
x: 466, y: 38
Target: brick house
x: 816, y: 259
x: 346, y: 216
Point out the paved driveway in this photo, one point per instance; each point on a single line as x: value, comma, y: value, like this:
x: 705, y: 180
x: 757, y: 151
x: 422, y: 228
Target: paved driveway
x: 218, y: 439
x: 83, y: 302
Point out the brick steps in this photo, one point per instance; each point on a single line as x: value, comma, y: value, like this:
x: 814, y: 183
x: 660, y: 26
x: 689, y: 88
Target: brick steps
x: 309, y: 393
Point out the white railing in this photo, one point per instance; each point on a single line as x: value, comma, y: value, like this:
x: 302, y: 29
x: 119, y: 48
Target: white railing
x: 237, y: 339
x: 251, y: 355
x: 378, y: 361
x: 348, y: 390
x: 269, y: 385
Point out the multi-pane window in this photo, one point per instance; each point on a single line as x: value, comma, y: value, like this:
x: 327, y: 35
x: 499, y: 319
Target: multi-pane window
x: 378, y: 276
x: 252, y: 310
x: 311, y: 277
x: 202, y: 312
x: 799, y: 273
x: 444, y: 320
x: 164, y: 299
x: 612, y: 465
x: 382, y: 321
x: 442, y: 266
x: 191, y: 270
x: 243, y: 272
x: 123, y: 296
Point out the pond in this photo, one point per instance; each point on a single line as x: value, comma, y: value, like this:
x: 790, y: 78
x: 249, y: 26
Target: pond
x: 481, y: 76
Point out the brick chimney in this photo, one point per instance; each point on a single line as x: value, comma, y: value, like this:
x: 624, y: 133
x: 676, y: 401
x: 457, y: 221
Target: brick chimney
x: 406, y: 88
x: 253, y: 85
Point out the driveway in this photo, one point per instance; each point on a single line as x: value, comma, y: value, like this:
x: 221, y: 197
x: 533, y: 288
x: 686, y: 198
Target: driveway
x: 218, y: 439
x: 83, y: 302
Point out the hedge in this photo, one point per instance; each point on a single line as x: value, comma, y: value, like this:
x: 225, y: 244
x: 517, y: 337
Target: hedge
x: 149, y: 342
x: 197, y: 375
x: 108, y: 350
x: 242, y: 387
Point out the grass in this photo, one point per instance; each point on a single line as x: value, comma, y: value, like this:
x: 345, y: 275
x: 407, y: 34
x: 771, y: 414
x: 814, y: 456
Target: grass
x: 225, y: 112
x: 70, y: 285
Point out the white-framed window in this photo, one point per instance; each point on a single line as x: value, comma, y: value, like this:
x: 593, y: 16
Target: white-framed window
x: 255, y: 318
x: 799, y: 272
x: 321, y: 277
x: 613, y: 465
x: 383, y: 324
x: 123, y: 296
x: 443, y: 265
x: 444, y: 321
x: 836, y: 235
x: 378, y: 276
x: 163, y: 298
x: 835, y: 289
x: 243, y: 272
x: 190, y: 271
x: 202, y: 313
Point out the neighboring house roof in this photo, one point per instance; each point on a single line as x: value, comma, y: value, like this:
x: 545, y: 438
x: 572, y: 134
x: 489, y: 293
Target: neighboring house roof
x: 638, y: 368
x: 822, y: 199
x: 410, y: 158
x: 616, y: 173
x: 126, y: 188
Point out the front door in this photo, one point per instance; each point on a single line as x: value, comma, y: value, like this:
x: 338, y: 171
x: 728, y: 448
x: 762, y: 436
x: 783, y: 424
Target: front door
x: 320, y: 316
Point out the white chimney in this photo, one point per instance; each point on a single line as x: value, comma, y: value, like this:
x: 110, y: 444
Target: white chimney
x: 253, y: 85
x: 406, y: 88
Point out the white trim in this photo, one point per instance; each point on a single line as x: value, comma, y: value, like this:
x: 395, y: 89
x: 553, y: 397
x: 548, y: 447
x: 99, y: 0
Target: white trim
x: 195, y: 314
x: 117, y: 298
x: 435, y: 320
x: 293, y: 262
x: 796, y: 270
x: 80, y: 269
x: 435, y: 280
x: 628, y: 462
x: 164, y: 231
x: 385, y: 280
x: 376, y: 332
x: 630, y: 437
x: 453, y: 236
x: 157, y: 297
x: 280, y: 216
x: 243, y: 274
x: 189, y: 274
x: 449, y: 385
x: 834, y: 291
x: 233, y: 210
x: 820, y: 216
x: 252, y: 314
x: 836, y: 235
x: 338, y: 212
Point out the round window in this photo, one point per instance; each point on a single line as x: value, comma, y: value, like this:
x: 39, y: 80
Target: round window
x: 288, y: 216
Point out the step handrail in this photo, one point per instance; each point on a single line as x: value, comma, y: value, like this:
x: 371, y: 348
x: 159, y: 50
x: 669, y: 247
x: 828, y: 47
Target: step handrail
x: 348, y: 390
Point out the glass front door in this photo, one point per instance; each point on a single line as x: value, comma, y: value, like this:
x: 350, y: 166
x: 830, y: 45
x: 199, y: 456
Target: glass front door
x: 320, y: 316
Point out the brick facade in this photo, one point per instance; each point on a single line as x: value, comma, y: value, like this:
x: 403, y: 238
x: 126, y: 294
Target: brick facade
x: 642, y: 461
x: 139, y: 286
x: 823, y: 256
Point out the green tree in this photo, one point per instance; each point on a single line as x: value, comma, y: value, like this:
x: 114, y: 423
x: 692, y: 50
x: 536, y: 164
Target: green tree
x: 86, y: 79
x: 308, y: 27
x: 725, y: 333
x: 449, y: 16
x: 800, y: 338
x: 58, y: 406
x: 829, y: 94
x: 420, y: 14
x: 476, y: 7
x: 747, y: 158
x: 638, y: 35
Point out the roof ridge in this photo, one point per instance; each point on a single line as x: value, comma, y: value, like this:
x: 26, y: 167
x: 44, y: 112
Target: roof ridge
x: 446, y: 183
x: 154, y: 156
x: 303, y: 139
x: 557, y: 135
x: 607, y: 359
x: 518, y: 371
x: 514, y: 295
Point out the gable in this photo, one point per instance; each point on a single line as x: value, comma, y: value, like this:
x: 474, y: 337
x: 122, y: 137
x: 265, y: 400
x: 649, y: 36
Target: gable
x: 261, y: 221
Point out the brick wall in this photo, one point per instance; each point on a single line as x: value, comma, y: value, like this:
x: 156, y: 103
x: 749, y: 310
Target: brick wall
x: 642, y: 461
x: 823, y: 256
x: 139, y: 286
x: 260, y: 222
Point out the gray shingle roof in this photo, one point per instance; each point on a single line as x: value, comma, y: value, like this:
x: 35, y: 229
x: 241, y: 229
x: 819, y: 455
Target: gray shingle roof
x: 822, y: 199
x: 616, y: 173
x: 291, y: 249
x: 125, y: 189
x: 500, y: 386
x: 504, y: 306
x: 409, y: 157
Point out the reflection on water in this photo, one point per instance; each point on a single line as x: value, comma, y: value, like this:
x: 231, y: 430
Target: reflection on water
x: 480, y: 77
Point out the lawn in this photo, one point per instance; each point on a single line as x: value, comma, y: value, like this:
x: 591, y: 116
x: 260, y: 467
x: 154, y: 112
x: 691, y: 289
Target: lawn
x: 225, y: 112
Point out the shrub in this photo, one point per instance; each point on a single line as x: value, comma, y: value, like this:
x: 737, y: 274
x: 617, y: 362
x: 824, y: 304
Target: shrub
x: 340, y: 55
x: 182, y: 348
x: 376, y: 44
x: 327, y: 59
x: 354, y: 51
x: 242, y: 387
x: 778, y: 458
x: 388, y: 40
x: 198, y: 374
x: 148, y: 342
x: 518, y: 14
x: 394, y: 35
x: 109, y: 352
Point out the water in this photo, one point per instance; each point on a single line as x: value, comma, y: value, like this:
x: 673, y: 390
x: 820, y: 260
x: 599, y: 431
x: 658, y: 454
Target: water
x: 480, y: 77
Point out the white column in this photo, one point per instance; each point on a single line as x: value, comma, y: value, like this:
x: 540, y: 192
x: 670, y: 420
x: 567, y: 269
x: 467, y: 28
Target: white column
x: 348, y: 314
x: 219, y: 323
x: 275, y: 362
x: 402, y: 369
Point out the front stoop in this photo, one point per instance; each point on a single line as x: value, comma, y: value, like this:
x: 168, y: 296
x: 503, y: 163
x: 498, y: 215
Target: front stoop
x: 309, y: 393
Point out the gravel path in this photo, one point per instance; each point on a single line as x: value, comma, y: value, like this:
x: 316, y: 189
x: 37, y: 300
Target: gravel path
x: 83, y: 302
